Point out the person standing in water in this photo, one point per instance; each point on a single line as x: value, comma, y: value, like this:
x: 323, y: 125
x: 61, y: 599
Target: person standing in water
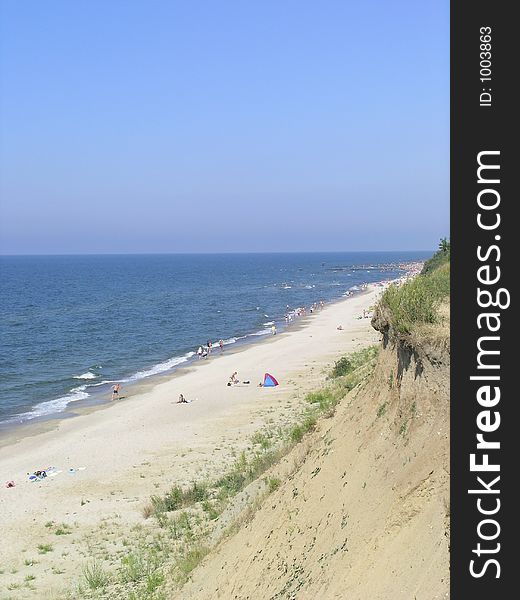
x: 115, y: 391
x: 221, y: 344
x: 273, y: 329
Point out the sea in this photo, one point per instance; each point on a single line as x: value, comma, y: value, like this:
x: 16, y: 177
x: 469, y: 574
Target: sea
x: 71, y: 326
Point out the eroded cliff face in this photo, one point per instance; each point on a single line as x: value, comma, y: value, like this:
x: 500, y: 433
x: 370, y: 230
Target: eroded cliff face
x: 363, y: 513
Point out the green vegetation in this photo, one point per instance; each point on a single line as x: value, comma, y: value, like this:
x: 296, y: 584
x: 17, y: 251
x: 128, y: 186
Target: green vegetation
x: 178, y: 498
x: 95, y: 576
x: 63, y: 529
x: 417, y: 301
x: 348, y: 364
x: 29, y: 562
x: 139, y: 565
x: 273, y: 484
x: 441, y: 257
x: 188, y: 561
x: 382, y: 409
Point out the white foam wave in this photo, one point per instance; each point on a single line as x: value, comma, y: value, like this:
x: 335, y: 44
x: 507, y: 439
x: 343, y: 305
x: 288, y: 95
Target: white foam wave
x: 107, y: 381
x: 87, y: 375
x: 269, y: 323
x: 161, y: 367
x: 263, y: 332
x: 53, y: 406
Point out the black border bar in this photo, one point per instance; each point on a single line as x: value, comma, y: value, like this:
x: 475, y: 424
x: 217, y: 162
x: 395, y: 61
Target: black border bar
x: 484, y: 519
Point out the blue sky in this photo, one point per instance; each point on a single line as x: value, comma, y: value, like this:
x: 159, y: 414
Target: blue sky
x: 210, y: 126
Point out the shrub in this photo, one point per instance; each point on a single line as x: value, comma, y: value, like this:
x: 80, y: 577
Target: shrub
x: 324, y: 398
x: 232, y: 483
x: 138, y: 565
x: 95, y: 576
x: 382, y: 409
x: 273, y: 484
x: 189, y: 560
x: 348, y: 364
x: 296, y: 434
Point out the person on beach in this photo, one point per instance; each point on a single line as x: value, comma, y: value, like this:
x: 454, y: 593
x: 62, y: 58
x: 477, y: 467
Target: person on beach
x: 273, y: 329
x: 182, y: 400
x: 116, y: 388
x: 221, y: 344
x: 233, y: 379
x: 200, y: 352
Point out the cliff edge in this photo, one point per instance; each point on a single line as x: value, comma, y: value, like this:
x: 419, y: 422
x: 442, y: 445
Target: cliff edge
x: 363, y: 512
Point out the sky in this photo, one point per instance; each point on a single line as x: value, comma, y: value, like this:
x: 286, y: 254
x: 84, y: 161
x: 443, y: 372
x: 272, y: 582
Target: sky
x: 223, y: 126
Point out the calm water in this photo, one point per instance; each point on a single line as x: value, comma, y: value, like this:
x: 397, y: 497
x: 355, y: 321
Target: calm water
x: 71, y: 325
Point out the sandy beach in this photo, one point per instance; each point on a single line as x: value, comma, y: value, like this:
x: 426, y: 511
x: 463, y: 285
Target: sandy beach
x: 122, y: 453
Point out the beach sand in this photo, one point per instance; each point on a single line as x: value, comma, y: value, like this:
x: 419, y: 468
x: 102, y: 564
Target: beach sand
x: 126, y: 451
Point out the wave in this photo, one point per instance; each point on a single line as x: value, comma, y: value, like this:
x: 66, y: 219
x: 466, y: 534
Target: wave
x: 52, y: 406
x: 161, y: 367
x: 87, y: 375
x: 58, y: 405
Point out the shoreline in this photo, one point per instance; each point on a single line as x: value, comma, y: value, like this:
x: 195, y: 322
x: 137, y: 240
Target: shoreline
x: 22, y: 424
x: 134, y: 449
x: 12, y: 432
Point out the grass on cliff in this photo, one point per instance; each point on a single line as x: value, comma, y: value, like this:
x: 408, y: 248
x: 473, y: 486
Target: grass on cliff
x: 440, y: 258
x: 417, y: 301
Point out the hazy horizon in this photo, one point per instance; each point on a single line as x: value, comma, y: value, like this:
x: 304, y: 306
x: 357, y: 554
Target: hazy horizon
x: 412, y: 251
x: 234, y: 127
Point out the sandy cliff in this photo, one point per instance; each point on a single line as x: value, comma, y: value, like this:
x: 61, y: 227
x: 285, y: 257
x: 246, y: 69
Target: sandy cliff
x: 363, y: 510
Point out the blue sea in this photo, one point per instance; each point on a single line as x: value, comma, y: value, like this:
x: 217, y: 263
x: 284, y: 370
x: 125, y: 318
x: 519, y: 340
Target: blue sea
x: 70, y: 326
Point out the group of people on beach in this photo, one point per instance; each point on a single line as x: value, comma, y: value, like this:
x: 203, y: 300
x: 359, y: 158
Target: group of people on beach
x: 205, y: 351
x: 301, y: 311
